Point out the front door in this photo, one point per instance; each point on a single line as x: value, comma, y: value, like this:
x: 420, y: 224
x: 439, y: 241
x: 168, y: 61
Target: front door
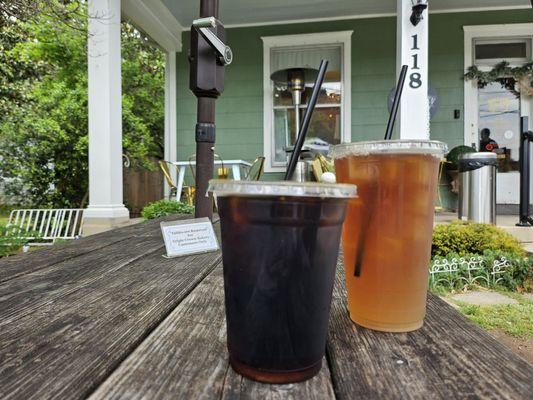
x: 499, y: 132
x: 492, y: 113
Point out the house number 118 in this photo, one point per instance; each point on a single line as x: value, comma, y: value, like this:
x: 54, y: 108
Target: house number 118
x: 415, y: 80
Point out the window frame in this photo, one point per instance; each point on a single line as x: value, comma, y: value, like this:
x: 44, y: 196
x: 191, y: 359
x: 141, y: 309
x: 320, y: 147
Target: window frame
x: 342, y: 38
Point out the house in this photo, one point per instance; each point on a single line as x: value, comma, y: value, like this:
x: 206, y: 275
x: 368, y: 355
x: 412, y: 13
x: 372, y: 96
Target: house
x: 365, y: 41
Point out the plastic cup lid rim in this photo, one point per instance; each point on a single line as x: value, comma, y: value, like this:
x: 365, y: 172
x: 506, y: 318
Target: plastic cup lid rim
x: 404, y: 146
x: 224, y: 187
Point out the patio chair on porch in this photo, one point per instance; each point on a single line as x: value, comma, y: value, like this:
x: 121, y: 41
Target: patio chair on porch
x: 164, y: 165
x: 256, y: 170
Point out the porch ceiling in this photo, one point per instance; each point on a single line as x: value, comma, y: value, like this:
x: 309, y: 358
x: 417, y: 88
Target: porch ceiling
x: 251, y: 12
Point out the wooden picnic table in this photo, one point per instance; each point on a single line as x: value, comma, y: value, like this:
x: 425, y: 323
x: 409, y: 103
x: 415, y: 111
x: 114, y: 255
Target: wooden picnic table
x: 108, y: 317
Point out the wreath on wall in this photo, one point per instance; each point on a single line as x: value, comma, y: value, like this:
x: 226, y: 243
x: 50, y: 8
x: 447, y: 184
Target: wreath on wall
x: 516, y: 79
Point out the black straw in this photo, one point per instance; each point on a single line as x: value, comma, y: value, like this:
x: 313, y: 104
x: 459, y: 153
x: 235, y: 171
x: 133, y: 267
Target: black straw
x: 396, y: 102
x: 388, y: 136
x: 307, y: 119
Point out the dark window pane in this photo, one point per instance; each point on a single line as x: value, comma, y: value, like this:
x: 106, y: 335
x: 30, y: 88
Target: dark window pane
x: 325, y: 125
x: 501, y: 51
x: 329, y: 94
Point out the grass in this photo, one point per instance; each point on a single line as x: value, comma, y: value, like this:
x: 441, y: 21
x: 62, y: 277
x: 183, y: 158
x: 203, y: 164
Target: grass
x: 4, y: 214
x: 514, y: 319
x: 3, y: 220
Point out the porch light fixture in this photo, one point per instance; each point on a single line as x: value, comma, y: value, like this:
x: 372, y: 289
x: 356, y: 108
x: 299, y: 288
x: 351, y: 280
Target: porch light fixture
x: 418, y: 8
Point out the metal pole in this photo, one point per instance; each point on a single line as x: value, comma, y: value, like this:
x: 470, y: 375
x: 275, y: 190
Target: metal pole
x: 306, y: 121
x: 205, y: 157
x: 205, y: 138
x: 297, y: 119
x: 526, y: 137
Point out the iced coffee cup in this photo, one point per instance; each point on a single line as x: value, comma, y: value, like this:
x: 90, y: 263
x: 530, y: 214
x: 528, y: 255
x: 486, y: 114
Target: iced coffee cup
x: 388, y: 229
x: 280, y: 242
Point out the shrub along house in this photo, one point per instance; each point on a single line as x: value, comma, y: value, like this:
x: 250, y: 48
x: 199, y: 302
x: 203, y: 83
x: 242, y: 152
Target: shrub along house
x: 365, y: 42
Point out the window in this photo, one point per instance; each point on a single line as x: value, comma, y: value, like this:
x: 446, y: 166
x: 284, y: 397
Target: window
x: 499, y: 121
x: 490, y: 52
x: 330, y: 120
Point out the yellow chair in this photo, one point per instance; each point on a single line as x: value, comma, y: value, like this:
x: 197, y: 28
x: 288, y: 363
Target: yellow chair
x: 164, y: 165
x: 256, y: 170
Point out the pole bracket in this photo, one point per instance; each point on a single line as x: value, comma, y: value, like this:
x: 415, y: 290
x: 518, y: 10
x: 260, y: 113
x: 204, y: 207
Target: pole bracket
x: 205, y: 132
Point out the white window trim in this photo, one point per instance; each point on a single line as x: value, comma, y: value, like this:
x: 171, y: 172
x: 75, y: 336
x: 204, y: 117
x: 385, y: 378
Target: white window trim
x: 269, y: 42
x: 470, y: 87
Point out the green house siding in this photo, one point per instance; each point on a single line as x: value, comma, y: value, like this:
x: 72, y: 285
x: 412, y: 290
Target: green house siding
x: 240, y: 108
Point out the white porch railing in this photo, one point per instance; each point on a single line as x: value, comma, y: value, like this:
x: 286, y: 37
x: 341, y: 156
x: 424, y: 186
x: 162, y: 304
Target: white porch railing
x: 45, y: 226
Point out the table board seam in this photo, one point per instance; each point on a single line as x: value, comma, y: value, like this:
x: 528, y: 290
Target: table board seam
x: 151, y: 329
x: 73, y: 256
x: 331, y: 367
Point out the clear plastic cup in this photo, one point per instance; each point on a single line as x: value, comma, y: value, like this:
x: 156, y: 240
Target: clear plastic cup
x: 280, y: 242
x: 388, y: 229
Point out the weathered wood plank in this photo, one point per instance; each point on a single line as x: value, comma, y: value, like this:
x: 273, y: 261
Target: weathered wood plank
x: 25, y: 294
x: 319, y: 387
x: 448, y: 358
x: 186, y: 358
x: 20, y: 264
x: 67, y: 327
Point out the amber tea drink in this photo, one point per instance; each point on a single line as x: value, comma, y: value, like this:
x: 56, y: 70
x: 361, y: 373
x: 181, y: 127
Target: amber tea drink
x: 387, y: 233
x: 280, y: 242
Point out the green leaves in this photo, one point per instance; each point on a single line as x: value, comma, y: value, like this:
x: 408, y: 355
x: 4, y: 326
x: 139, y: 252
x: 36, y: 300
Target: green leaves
x: 464, y: 238
x: 43, y: 104
x: 453, y: 156
x: 165, y: 207
x: 502, y: 73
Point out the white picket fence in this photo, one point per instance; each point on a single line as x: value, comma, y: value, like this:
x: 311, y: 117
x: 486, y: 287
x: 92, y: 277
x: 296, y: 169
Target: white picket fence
x: 45, y: 226
x: 446, y: 271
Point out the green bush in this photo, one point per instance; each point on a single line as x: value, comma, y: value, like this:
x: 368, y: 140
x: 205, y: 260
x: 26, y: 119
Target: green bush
x: 463, y: 238
x: 165, y: 207
x: 10, y: 242
x: 453, y: 156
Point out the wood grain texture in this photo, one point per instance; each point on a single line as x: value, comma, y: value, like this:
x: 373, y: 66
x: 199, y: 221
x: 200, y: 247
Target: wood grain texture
x: 20, y: 264
x: 186, y: 358
x: 448, y: 358
x: 66, y: 327
x: 121, y: 321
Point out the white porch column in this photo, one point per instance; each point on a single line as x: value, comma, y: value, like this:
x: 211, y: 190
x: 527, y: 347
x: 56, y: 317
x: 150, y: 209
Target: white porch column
x: 171, y: 143
x: 106, y: 209
x: 412, y: 50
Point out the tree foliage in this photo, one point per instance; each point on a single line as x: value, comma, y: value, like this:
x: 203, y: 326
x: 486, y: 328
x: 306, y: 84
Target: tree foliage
x: 43, y: 103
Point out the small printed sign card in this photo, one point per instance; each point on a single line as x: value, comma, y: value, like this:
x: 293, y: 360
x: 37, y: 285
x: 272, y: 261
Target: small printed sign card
x: 189, y: 236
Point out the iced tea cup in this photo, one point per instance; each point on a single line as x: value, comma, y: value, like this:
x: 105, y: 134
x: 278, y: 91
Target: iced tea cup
x: 388, y: 229
x: 280, y: 242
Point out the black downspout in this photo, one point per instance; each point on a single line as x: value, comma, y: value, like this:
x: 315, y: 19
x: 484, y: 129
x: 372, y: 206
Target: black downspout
x: 526, y: 137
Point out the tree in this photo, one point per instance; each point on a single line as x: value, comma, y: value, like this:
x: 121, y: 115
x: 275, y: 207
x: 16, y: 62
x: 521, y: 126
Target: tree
x: 43, y: 137
x: 25, y: 10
